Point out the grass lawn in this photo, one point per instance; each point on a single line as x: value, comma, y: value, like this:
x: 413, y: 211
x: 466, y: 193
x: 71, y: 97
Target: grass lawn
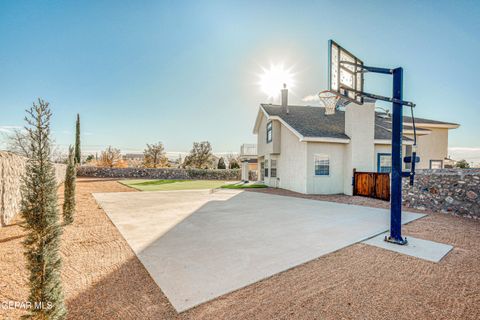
x: 168, y: 185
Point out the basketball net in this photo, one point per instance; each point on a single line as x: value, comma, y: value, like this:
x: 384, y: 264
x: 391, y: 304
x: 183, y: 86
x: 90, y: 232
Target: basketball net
x: 329, y: 101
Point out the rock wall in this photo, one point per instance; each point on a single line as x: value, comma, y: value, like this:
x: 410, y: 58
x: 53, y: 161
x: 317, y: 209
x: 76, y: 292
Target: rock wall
x: 454, y: 191
x: 12, y: 168
x: 160, y: 173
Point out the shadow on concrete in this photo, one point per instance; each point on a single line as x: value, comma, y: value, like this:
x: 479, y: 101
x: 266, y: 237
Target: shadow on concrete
x: 227, y: 244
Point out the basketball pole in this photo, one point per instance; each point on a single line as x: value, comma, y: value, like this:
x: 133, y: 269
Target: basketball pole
x: 337, y: 87
x: 397, y: 174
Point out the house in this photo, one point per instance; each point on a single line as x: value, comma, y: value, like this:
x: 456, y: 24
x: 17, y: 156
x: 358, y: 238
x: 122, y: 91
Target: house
x: 300, y: 148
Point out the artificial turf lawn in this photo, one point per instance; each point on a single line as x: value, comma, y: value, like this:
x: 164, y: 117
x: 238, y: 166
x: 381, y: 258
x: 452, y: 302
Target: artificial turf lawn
x: 168, y: 185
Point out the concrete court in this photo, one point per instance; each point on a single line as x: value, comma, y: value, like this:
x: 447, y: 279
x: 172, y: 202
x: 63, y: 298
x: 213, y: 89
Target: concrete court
x: 418, y: 248
x: 198, y: 245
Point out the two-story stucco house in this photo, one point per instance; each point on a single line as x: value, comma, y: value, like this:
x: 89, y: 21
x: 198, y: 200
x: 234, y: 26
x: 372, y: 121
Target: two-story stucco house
x: 300, y: 148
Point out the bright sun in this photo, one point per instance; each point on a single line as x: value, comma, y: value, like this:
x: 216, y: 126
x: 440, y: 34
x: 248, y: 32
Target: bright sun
x: 272, y: 79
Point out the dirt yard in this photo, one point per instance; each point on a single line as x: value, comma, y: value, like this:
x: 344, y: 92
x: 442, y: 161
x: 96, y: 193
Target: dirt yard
x: 104, y: 280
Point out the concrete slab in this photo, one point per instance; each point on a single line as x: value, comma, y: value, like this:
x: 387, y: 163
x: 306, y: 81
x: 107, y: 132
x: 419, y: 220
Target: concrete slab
x: 419, y: 248
x: 199, y: 245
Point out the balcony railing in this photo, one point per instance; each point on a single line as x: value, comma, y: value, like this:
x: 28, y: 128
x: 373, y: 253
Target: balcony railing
x: 248, y: 150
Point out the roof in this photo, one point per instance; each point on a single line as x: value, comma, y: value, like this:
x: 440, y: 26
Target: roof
x: 428, y: 121
x: 311, y: 122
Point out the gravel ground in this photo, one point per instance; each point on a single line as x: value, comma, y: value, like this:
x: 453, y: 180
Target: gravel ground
x: 104, y: 280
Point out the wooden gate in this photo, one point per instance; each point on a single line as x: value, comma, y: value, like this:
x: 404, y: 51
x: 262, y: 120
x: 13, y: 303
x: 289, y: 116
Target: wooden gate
x: 372, y: 184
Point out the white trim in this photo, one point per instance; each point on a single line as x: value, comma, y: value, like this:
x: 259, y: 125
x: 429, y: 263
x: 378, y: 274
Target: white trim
x: 325, y: 139
x: 435, y: 125
x: 419, y: 132
x: 324, y: 155
x: 286, y: 125
x: 257, y: 120
x: 386, y: 141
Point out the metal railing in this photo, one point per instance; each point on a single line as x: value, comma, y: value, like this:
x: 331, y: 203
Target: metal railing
x: 248, y: 149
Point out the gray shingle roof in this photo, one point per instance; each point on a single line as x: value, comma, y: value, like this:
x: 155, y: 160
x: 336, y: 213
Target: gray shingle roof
x: 422, y: 120
x: 312, y: 122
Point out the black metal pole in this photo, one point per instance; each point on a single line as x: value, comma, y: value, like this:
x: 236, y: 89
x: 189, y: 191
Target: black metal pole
x: 396, y: 175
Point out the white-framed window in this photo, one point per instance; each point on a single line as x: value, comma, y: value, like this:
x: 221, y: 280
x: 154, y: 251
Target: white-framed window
x: 322, y: 165
x: 384, y: 162
x: 266, y: 168
x: 273, y: 168
x: 269, y: 132
x: 436, y: 164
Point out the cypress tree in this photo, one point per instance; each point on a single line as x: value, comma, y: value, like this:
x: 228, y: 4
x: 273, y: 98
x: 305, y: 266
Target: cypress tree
x: 221, y: 164
x: 69, y: 190
x: 41, y: 219
x: 77, y: 141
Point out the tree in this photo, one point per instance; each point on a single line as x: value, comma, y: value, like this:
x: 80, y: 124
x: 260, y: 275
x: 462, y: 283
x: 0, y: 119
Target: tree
x: 154, y: 156
x: 89, y: 158
x: 462, y: 164
x: 110, y: 157
x: 41, y: 219
x: 69, y: 189
x: 234, y: 165
x: 200, y: 156
x: 78, y: 153
x: 221, y: 164
x: 18, y: 142
x: 233, y: 162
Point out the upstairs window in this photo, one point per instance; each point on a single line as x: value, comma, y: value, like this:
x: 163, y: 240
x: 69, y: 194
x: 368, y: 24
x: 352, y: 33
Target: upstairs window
x: 273, y: 168
x: 322, y: 165
x: 384, y: 162
x: 269, y: 132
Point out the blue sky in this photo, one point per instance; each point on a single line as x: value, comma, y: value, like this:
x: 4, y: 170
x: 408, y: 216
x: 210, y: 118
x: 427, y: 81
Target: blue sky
x: 179, y: 71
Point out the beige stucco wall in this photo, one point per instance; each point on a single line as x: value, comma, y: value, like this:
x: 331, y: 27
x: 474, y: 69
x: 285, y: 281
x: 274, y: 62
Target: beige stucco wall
x: 433, y: 146
x: 264, y: 148
x: 333, y: 183
x: 359, y: 153
x: 292, y: 163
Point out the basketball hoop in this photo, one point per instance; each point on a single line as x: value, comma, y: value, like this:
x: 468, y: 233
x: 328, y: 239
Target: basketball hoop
x: 331, y: 101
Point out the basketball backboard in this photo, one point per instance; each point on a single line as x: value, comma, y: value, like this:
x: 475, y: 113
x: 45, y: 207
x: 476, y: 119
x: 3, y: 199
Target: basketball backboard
x: 345, y: 76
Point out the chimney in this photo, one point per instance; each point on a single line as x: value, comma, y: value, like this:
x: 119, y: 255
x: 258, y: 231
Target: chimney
x: 285, y: 98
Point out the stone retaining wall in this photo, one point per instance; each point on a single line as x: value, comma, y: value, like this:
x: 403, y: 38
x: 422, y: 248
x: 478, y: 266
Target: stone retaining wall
x: 12, y: 168
x: 454, y: 191
x: 160, y: 173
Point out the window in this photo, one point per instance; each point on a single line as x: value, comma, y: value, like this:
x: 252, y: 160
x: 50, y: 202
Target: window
x: 273, y: 168
x: 266, y: 168
x: 322, y: 165
x: 269, y: 132
x: 408, y: 153
x: 262, y: 169
x: 436, y: 164
x: 384, y: 162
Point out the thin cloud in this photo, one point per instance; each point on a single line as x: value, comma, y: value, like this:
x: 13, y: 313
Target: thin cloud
x: 8, y: 129
x: 311, y: 98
